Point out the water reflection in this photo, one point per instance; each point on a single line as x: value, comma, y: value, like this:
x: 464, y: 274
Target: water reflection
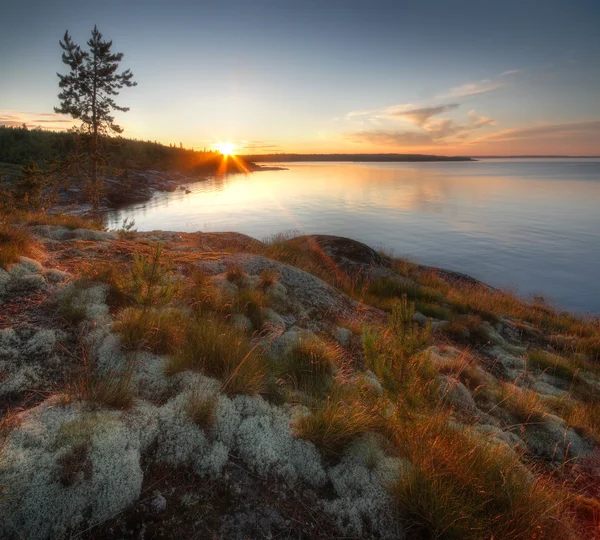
x: 533, y: 224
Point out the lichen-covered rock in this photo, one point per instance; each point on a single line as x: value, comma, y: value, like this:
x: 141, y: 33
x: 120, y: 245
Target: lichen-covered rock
x: 63, y: 467
x: 362, y: 506
x: 309, y: 294
x: 552, y: 439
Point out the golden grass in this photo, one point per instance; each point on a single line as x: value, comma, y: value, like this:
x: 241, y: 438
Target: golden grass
x: 310, y: 365
x: 63, y: 220
x: 338, y: 421
x: 461, y: 486
x: 251, y: 303
x: 15, y: 242
x: 201, y: 408
x: 218, y: 350
x: 159, y: 330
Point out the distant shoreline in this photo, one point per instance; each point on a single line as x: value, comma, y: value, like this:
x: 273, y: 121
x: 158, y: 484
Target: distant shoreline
x: 287, y: 158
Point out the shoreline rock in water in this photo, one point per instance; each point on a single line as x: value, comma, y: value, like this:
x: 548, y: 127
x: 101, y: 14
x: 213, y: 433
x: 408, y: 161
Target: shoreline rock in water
x: 165, y: 383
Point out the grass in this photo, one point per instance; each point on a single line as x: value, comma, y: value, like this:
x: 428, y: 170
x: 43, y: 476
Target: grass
x: 235, y: 274
x: 202, y: 296
x: 338, y: 421
x: 268, y: 277
x: 69, y: 221
x: 218, y: 350
x: 201, y: 409
x: 310, y: 365
x: 251, y: 303
x: 159, y: 330
x: 461, y: 486
x: 15, y: 241
x: 525, y: 404
x: 390, y: 351
x: 117, y: 279
x: 386, y: 288
x: 554, y: 365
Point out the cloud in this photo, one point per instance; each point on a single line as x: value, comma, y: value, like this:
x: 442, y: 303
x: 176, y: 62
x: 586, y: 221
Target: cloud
x: 421, y: 115
x: 546, y: 131
x: 391, y: 138
x: 257, y: 145
x: 34, y: 119
x: 472, y: 89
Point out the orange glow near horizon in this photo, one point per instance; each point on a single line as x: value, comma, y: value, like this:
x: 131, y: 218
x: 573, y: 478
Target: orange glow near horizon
x: 226, y: 148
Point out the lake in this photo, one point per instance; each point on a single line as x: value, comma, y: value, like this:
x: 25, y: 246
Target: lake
x: 533, y: 224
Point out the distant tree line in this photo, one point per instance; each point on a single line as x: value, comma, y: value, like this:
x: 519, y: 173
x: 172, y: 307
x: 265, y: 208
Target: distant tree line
x: 22, y: 146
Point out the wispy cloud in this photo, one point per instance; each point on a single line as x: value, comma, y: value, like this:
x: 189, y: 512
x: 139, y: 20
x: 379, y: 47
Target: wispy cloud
x: 472, y: 89
x: 420, y: 116
x: 546, y: 131
x: 391, y: 138
x: 51, y: 121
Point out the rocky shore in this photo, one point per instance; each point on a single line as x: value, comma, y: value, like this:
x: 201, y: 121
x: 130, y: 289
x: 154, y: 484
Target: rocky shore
x: 173, y: 385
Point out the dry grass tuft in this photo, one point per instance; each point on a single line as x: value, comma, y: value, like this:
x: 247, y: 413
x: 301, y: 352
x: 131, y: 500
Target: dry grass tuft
x: 460, y: 485
x: 201, y: 409
x: 160, y: 331
x: 219, y: 350
x: 310, y: 365
x: 339, y: 420
x: 15, y: 241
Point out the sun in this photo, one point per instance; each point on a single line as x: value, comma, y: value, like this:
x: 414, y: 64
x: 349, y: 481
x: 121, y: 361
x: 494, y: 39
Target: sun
x: 226, y: 148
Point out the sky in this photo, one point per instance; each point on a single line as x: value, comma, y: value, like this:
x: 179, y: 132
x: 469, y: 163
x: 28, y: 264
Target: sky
x: 483, y: 77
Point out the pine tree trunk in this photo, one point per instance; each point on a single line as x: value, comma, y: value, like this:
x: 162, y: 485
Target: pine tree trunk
x: 95, y: 187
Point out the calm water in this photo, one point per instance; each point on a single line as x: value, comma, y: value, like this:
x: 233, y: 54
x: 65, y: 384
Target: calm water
x: 533, y: 224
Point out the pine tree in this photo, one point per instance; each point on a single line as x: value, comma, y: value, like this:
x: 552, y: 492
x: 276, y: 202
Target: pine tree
x: 87, y: 94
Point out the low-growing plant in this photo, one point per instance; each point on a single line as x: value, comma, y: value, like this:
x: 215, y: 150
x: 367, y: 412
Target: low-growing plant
x: 15, y: 241
x: 310, y: 365
x: 69, y: 221
x: 391, y: 352
x: 160, y: 331
x: 268, y: 277
x: 523, y: 403
x: 118, y: 281
x: 127, y: 231
x: 553, y: 364
x: 251, y: 303
x: 202, y: 296
x: 460, y: 485
x: 201, y: 408
x: 235, y: 274
x: 151, y: 279
x: 395, y: 288
x: 218, y: 350
x: 336, y: 422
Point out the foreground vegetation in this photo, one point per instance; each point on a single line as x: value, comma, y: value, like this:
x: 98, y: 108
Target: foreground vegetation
x: 407, y: 401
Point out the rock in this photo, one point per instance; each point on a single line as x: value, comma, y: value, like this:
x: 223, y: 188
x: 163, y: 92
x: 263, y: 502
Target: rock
x: 343, y: 336
x: 509, y: 366
x: 456, y: 394
x: 440, y: 357
x: 419, y: 318
x: 273, y: 318
x: 158, y: 504
x: 54, y: 275
x: 437, y: 326
x: 496, y: 339
x: 241, y: 322
x: 310, y: 294
x: 551, y: 438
